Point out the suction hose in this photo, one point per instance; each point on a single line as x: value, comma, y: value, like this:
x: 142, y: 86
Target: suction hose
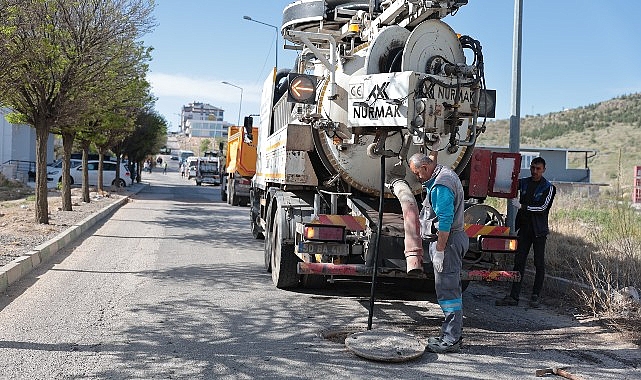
x: 413, y: 241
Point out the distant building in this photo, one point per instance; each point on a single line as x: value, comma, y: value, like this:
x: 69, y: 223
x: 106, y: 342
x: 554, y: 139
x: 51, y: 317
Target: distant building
x: 197, y: 111
x: 206, y: 128
x: 18, y: 149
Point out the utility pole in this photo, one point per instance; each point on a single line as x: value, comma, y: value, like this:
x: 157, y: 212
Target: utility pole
x: 515, y: 115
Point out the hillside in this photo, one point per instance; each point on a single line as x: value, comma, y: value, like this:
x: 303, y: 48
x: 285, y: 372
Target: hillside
x: 612, y: 128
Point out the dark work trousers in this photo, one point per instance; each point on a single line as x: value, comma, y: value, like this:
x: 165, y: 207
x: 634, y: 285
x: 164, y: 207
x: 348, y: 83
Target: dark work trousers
x: 527, y: 240
x: 448, y: 285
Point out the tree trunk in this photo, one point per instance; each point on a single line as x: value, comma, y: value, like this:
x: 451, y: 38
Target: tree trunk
x: 67, y: 145
x: 118, y: 153
x: 42, y: 203
x: 85, y: 172
x: 101, y: 156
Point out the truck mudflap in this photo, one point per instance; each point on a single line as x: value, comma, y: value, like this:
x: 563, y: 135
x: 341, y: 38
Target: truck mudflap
x: 362, y: 270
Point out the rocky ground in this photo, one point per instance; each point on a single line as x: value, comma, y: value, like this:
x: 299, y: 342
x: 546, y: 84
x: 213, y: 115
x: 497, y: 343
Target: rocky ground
x: 19, y: 233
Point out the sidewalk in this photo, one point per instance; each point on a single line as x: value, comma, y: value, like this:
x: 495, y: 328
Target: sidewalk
x: 21, y: 266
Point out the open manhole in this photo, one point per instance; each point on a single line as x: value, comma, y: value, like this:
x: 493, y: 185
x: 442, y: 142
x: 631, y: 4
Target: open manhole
x: 339, y: 335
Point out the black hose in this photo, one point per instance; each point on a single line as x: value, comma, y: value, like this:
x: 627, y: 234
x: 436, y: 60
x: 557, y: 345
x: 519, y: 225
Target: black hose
x: 379, y: 231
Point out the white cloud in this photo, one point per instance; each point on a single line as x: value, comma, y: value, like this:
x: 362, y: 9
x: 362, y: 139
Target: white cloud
x: 200, y: 89
x: 176, y: 90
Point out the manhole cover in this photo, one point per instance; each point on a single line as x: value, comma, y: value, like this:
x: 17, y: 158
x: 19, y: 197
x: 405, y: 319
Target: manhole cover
x: 385, y: 345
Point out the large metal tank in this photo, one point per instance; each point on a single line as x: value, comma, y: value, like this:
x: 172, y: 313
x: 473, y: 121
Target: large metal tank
x: 393, y: 49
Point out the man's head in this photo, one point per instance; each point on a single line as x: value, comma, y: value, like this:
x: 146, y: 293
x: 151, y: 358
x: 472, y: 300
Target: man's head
x: 422, y: 166
x: 537, y: 168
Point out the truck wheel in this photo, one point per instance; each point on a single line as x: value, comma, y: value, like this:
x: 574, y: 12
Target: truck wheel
x: 255, y: 227
x: 268, y: 255
x: 234, y: 196
x: 223, y: 194
x: 198, y: 183
x: 268, y: 240
x: 284, y: 261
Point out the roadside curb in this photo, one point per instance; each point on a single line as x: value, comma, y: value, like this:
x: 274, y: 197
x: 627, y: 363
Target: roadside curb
x: 24, y: 264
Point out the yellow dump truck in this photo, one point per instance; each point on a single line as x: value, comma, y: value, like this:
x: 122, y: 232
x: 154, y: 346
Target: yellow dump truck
x: 240, y: 164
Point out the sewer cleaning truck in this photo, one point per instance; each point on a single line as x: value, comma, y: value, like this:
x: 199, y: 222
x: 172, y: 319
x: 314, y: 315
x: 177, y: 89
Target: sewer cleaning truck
x: 374, y: 82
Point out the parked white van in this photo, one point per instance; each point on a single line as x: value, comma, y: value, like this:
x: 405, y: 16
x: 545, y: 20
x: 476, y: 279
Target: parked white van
x: 190, y: 167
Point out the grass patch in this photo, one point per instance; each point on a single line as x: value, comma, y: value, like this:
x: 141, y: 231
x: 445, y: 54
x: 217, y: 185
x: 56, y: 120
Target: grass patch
x: 598, y: 243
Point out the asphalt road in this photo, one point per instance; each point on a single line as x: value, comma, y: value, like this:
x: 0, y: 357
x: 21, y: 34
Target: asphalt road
x: 172, y: 286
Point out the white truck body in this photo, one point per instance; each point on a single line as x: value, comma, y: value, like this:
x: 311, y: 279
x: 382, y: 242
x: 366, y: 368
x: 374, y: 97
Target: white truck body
x: 387, y: 83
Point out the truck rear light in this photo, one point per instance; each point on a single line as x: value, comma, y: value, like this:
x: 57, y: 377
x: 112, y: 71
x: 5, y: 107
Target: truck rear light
x: 498, y: 244
x: 324, y: 232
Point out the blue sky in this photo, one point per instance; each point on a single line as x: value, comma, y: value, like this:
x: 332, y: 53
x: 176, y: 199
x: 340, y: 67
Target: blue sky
x: 575, y: 52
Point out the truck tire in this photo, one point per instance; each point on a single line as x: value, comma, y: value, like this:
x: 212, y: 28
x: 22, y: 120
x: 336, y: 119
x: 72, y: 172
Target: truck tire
x: 223, y: 192
x: 255, y: 227
x: 284, y: 261
x: 232, y: 193
x: 268, y: 241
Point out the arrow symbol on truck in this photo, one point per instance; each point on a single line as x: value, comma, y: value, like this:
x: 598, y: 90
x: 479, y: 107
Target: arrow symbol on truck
x: 299, y: 86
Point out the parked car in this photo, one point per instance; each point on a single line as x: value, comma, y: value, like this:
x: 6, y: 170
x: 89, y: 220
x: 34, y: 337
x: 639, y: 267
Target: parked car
x: 54, y: 175
x: 58, y: 163
x: 190, y: 167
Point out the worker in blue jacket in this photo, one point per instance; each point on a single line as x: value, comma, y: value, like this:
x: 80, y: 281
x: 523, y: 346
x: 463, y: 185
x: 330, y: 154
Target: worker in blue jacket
x: 444, y: 237
x: 534, y: 203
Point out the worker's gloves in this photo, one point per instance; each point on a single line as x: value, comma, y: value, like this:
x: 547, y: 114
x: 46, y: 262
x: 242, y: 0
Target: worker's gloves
x: 515, y: 202
x: 437, y: 258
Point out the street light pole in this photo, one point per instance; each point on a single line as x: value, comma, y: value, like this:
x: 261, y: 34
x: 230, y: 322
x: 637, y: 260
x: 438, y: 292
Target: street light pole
x: 271, y: 26
x: 515, y: 115
x: 241, y: 99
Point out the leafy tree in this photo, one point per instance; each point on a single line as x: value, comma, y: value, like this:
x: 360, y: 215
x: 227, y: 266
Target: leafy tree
x: 149, y: 135
x: 112, y: 106
x: 205, y: 145
x: 55, y: 54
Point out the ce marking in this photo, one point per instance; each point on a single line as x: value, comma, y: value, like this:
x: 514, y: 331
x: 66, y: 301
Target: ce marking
x: 356, y: 91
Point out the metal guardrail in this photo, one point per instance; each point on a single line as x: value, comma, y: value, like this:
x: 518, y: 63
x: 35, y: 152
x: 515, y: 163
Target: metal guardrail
x: 27, y: 168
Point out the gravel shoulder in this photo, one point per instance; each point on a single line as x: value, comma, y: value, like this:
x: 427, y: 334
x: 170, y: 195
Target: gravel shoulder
x: 19, y: 233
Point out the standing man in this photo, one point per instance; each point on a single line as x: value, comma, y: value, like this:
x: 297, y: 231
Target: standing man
x: 534, y: 203
x: 444, y: 237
